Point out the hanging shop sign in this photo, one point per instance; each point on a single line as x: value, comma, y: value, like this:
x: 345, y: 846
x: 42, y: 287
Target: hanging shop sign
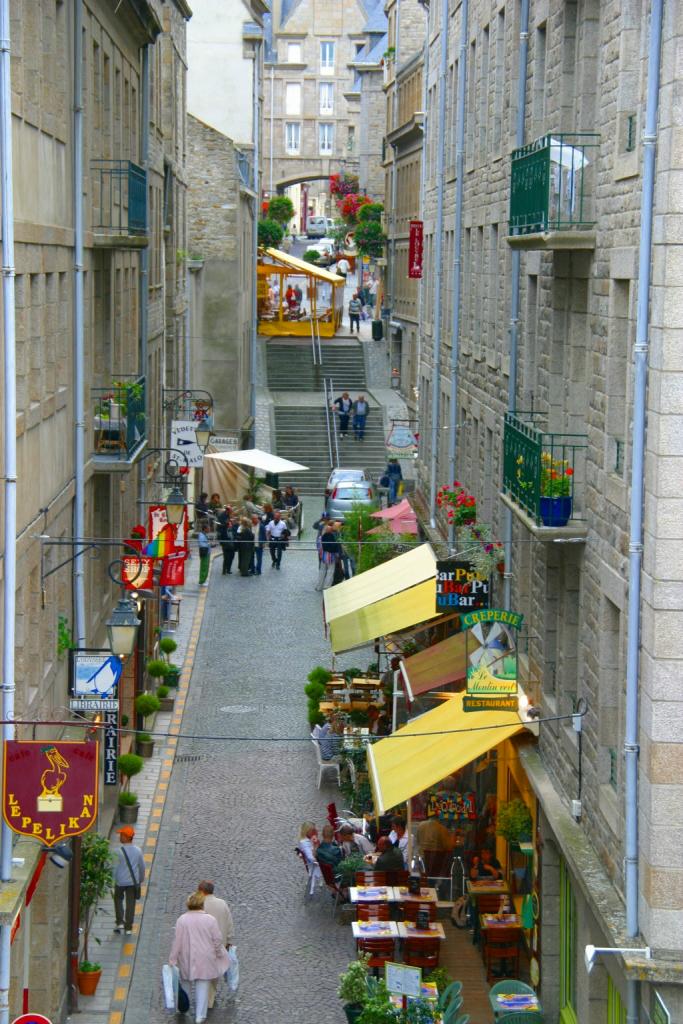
x: 173, y: 570
x: 111, y: 746
x: 491, y: 659
x: 401, y: 442
x: 184, y: 439
x: 164, y: 538
x: 93, y: 680
x: 137, y: 573
x: 415, y: 249
x: 459, y: 585
x: 49, y: 790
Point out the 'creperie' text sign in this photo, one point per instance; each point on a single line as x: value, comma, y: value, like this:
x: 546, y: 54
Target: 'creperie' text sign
x: 459, y: 585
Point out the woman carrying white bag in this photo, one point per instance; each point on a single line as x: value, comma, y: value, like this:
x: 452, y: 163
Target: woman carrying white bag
x: 199, y: 953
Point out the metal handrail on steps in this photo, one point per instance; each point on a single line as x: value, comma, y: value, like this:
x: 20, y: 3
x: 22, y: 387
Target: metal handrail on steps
x: 331, y: 422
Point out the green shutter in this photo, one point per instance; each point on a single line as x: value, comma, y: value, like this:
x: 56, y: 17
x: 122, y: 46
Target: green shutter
x: 616, y: 1011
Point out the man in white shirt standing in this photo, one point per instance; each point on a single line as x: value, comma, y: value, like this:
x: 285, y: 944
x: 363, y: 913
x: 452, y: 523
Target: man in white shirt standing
x: 278, y: 535
x: 219, y: 910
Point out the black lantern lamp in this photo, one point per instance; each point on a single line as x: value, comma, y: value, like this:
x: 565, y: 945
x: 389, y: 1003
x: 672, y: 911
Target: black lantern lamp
x: 122, y: 628
x: 175, y: 507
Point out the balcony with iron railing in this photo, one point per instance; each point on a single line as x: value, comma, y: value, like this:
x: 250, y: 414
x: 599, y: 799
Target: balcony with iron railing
x: 119, y: 204
x: 552, y: 192
x: 544, y: 477
x: 119, y: 423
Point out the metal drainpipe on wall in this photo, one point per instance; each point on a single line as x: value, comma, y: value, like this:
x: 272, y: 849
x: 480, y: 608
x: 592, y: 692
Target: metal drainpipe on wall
x: 144, y: 254
x: 641, y: 351
x: 457, y: 255
x: 516, y: 267
x: 9, y: 461
x: 257, y: 196
x: 423, y: 185
x: 438, y: 263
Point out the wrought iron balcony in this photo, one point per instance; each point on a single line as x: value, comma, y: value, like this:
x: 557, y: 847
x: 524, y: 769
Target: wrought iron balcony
x: 544, y: 475
x: 552, y: 192
x: 119, y: 199
x: 119, y: 422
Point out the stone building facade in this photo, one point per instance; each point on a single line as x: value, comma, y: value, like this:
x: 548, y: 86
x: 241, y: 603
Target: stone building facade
x: 320, y: 53
x: 126, y: 214
x: 587, y: 73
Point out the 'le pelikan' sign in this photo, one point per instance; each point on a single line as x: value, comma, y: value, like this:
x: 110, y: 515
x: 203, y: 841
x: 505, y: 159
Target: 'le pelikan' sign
x: 49, y: 790
x: 459, y: 585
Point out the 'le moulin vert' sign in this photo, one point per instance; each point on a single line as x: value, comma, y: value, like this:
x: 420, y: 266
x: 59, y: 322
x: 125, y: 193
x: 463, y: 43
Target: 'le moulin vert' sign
x: 459, y: 585
x: 491, y: 659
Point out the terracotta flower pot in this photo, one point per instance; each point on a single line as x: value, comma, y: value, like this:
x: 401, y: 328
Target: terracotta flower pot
x: 128, y: 813
x: 88, y: 982
x: 145, y: 748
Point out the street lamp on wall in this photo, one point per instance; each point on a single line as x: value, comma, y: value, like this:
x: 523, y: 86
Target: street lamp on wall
x: 202, y: 434
x: 122, y: 628
x: 175, y: 506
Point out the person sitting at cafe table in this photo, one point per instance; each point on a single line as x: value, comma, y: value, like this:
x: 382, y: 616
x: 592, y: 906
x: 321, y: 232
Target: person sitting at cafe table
x: 485, y: 866
x: 390, y: 857
x: 354, y: 842
x: 399, y: 837
x: 328, y: 851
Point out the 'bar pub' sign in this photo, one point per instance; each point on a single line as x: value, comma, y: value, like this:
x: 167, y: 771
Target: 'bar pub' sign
x: 460, y: 586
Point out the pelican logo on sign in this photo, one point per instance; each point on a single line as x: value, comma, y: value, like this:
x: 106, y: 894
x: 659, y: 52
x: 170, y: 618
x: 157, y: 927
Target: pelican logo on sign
x: 49, y: 789
x: 31, y: 1018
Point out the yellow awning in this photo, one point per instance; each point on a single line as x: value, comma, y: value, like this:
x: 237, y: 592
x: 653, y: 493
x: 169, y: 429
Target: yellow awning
x: 433, y: 746
x: 393, y: 613
x: 303, y: 267
x: 384, y: 580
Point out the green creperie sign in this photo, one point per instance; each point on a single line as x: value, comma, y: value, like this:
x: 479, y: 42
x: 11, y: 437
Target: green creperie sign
x: 491, y: 659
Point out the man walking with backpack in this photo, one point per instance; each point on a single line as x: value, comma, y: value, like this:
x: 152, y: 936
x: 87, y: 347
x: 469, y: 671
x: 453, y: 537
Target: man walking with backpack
x: 129, y: 874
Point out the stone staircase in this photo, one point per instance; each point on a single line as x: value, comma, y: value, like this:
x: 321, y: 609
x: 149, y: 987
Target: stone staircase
x: 300, y: 425
x: 290, y: 367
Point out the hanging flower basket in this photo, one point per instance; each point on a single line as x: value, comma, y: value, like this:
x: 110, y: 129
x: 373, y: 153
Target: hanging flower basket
x: 460, y: 505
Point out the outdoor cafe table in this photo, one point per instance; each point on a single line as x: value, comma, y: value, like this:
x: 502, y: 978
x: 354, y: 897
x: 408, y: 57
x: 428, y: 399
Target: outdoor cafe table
x: 427, y: 895
x: 517, y: 1002
x: 372, y: 894
x: 408, y: 930
x: 374, y: 929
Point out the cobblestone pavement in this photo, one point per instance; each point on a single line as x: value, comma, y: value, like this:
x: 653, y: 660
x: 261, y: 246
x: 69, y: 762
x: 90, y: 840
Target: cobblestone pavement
x: 235, y: 802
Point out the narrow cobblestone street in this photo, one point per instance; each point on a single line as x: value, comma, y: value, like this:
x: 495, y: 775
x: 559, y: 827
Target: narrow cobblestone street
x: 236, y: 801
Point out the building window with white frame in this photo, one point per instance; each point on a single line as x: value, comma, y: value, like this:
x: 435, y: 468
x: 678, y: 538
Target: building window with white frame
x: 293, y: 98
x: 325, y: 139
x: 294, y: 53
x: 326, y: 98
x: 292, y: 137
x: 327, y: 58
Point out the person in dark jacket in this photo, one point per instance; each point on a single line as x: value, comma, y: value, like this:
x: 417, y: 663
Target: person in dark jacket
x: 395, y: 476
x: 245, y: 546
x: 226, y: 538
x: 390, y: 857
x: 330, y: 554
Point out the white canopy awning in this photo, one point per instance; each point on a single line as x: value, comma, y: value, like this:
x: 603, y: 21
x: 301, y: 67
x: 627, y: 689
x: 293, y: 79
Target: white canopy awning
x: 257, y: 459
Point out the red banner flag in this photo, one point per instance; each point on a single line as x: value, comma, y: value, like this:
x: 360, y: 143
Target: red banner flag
x: 415, y: 249
x: 138, y: 573
x: 49, y: 790
x: 165, y: 539
x: 173, y: 570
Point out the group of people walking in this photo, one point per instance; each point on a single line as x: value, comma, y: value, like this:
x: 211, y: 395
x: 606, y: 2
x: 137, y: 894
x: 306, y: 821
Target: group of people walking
x: 346, y: 409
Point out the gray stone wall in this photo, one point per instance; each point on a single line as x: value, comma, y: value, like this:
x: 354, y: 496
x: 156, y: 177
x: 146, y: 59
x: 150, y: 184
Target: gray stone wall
x: 220, y: 235
x: 587, y: 71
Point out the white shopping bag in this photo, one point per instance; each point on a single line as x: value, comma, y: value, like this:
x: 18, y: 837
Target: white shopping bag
x: 170, y: 982
x: 232, y: 975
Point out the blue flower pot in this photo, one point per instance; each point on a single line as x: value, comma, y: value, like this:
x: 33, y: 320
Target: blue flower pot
x: 555, y: 511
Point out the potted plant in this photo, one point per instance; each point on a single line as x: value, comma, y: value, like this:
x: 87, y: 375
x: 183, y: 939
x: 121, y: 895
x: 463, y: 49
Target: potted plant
x: 146, y: 704
x: 165, y: 700
x: 555, y: 502
x: 377, y: 1008
x: 353, y: 987
x: 95, y: 882
x: 144, y: 744
x: 128, y: 765
x: 157, y: 668
x: 461, y: 506
x: 513, y: 822
x: 478, y: 547
x: 315, y: 691
x: 347, y: 868
x: 167, y: 646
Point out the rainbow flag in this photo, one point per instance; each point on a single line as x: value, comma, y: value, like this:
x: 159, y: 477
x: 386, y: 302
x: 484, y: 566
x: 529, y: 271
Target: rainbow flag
x: 163, y: 544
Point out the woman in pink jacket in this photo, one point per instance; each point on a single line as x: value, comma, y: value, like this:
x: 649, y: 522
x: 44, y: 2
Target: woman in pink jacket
x: 198, y: 952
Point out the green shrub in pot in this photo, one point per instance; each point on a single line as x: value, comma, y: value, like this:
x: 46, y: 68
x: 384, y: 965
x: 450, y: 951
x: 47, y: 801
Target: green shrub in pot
x: 513, y: 821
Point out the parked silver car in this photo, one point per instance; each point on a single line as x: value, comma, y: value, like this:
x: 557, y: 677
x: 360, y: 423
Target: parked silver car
x: 345, y: 474
x: 347, y: 493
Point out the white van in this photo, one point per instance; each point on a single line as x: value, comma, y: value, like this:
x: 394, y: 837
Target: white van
x: 316, y: 227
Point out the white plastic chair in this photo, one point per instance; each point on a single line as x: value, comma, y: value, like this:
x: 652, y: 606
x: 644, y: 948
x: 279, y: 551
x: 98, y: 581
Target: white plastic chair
x: 333, y: 766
